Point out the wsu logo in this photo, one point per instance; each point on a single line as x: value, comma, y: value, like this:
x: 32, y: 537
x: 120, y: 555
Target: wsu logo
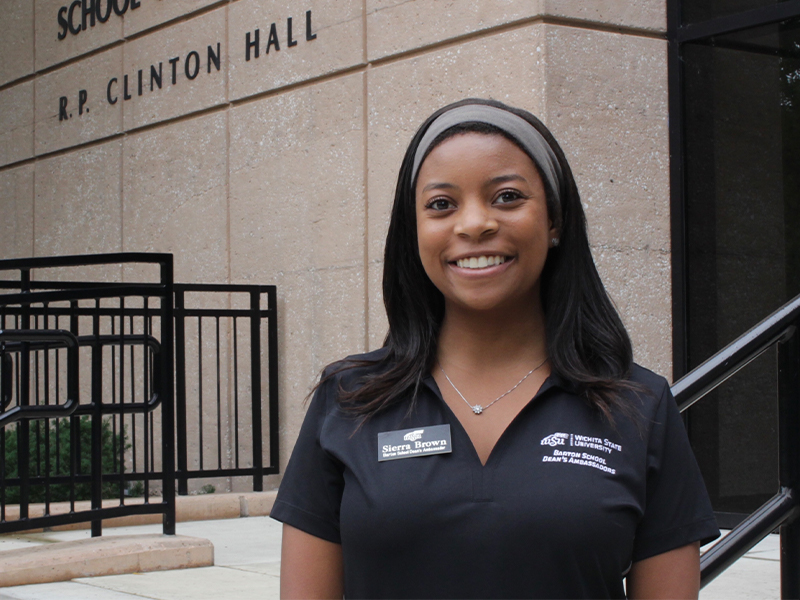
x: 413, y: 435
x: 555, y: 439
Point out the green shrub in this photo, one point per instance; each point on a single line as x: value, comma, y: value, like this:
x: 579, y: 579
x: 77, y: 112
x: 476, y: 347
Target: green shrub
x: 59, y: 463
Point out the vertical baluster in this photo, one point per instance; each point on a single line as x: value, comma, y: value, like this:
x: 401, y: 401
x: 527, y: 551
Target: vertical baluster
x: 200, y: 385
x: 97, y: 421
x: 219, y: 401
x: 23, y: 430
x: 149, y: 386
x: 47, y: 498
x: 236, y: 392
x: 180, y: 391
x: 133, y: 395
x: 74, y: 421
x: 147, y: 432
x: 57, y: 468
x: 122, y: 386
x: 255, y: 385
x: 37, y: 424
x: 116, y: 437
x: 789, y: 424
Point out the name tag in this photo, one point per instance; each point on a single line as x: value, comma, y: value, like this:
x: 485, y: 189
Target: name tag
x: 418, y: 441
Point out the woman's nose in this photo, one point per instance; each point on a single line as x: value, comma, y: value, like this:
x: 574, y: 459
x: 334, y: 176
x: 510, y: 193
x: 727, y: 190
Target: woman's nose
x: 475, y: 220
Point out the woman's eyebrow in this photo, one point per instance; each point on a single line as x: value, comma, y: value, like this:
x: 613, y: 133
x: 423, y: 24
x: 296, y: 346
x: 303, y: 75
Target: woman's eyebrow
x: 440, y: 186
x: 506, y: 178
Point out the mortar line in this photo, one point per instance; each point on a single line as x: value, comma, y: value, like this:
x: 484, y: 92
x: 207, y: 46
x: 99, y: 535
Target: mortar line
x: 365, y: 150
x: 228, y: 146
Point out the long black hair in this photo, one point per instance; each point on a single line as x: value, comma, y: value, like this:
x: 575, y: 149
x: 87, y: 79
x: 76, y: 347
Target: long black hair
x: 586, y: 340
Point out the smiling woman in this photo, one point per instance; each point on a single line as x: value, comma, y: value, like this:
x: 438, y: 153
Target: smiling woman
x: 482, y: 224
x: 561, y: 468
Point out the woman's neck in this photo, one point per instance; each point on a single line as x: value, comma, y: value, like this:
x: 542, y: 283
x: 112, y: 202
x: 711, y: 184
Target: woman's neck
x: 498, y: 340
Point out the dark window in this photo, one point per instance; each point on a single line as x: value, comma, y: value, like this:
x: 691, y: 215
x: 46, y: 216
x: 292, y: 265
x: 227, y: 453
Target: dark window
x: 703, y: 10
x: 738, y: 252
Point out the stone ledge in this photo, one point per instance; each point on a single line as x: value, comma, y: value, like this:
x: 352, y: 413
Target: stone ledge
x: 202, y: 507
x: 93, y: 557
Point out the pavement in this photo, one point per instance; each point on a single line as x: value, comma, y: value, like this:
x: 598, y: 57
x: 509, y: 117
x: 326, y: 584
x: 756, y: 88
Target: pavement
x: 247, y: 566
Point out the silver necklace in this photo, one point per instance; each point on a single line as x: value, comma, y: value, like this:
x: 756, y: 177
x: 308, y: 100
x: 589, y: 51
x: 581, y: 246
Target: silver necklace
x: 477, y: 408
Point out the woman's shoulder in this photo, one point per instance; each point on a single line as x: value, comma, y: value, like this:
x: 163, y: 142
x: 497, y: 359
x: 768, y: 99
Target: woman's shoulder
x: 650, y: 395
x: 647, y: 379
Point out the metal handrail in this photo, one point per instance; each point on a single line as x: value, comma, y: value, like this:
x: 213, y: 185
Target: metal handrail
x: 22, y: 301
x: 778, y: 329
x: 705, y: 378
x: 51, y: 338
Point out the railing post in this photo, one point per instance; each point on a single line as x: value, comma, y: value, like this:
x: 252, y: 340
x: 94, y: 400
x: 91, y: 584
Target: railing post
x: 255, y: 389
x: 789, y: 435
x: 168, y: 391
x: 96, y: 450
x: 274, y: 438
x: 23, y: 428
x: 180, y: 391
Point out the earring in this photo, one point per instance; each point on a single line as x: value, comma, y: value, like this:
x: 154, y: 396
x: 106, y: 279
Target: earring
x: 555, y: 242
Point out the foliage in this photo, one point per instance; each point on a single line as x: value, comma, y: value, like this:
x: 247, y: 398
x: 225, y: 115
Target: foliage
x: 58, y: 451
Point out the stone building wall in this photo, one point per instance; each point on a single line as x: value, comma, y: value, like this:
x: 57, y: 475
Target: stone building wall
x: 161, y: 129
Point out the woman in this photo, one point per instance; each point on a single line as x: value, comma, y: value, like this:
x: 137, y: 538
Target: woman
x: 501, y: 443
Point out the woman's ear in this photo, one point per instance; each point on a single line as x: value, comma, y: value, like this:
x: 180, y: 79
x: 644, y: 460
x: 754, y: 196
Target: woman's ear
x: 555, y: 237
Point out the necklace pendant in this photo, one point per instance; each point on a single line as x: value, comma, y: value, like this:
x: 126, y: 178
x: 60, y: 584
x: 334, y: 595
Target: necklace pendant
x: 477, y: 409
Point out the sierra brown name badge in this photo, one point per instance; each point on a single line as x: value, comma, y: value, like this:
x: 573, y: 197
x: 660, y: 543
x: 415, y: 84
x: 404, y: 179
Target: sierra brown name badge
x: 417, y: 441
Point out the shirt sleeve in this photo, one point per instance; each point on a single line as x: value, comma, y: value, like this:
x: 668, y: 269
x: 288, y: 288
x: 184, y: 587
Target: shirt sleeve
x: 678, y: 510
x: 310, y: 493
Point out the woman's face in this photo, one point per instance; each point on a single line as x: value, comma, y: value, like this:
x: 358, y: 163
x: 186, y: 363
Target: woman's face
x: 482, y: 223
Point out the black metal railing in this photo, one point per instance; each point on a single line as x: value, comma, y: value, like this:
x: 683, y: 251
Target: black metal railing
x: 221, y: 345
x: 86, y: 389
x: 778, y: 330
x: 110, y: 438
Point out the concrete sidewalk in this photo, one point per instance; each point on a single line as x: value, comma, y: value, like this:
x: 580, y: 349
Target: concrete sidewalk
x: 247, y: 566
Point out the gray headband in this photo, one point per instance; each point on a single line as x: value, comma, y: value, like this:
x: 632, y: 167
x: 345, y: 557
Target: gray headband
x: 517, y: 127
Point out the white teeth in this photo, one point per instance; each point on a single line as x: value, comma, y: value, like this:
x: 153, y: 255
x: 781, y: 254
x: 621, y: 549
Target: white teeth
x: 480, y: 262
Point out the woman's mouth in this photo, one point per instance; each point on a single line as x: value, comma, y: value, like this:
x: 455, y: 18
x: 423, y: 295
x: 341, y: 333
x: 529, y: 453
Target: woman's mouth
x: 480, y: 262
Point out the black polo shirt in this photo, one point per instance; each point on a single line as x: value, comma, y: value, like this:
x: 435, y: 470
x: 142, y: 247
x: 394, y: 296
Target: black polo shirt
x: 564, y: 504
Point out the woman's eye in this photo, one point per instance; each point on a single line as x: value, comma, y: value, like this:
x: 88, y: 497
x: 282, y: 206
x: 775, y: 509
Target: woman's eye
x: 440, y: 204
x: 508, y: 196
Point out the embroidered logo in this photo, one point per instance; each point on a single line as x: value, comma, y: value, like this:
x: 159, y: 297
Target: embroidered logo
x: 413, y: 435
x: 555, y: 439
x: 584, y: 453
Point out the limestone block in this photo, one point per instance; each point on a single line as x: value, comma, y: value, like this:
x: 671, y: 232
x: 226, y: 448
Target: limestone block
x: 175, y: 200
x: 16, y: 123
x: 71, y: 103
x: 644, y: 14
x: 403, y: 94
x: 297, y: 221
x: 75, y: 39
x: 188, y: 59
x: 78, y: 207
x: 640, y: 283
x: 16, y: 205
x: 156, y: 12
x: 16, y: 43
x: 607, y: 106
x: 326, y: 36
x: 396, y: 26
